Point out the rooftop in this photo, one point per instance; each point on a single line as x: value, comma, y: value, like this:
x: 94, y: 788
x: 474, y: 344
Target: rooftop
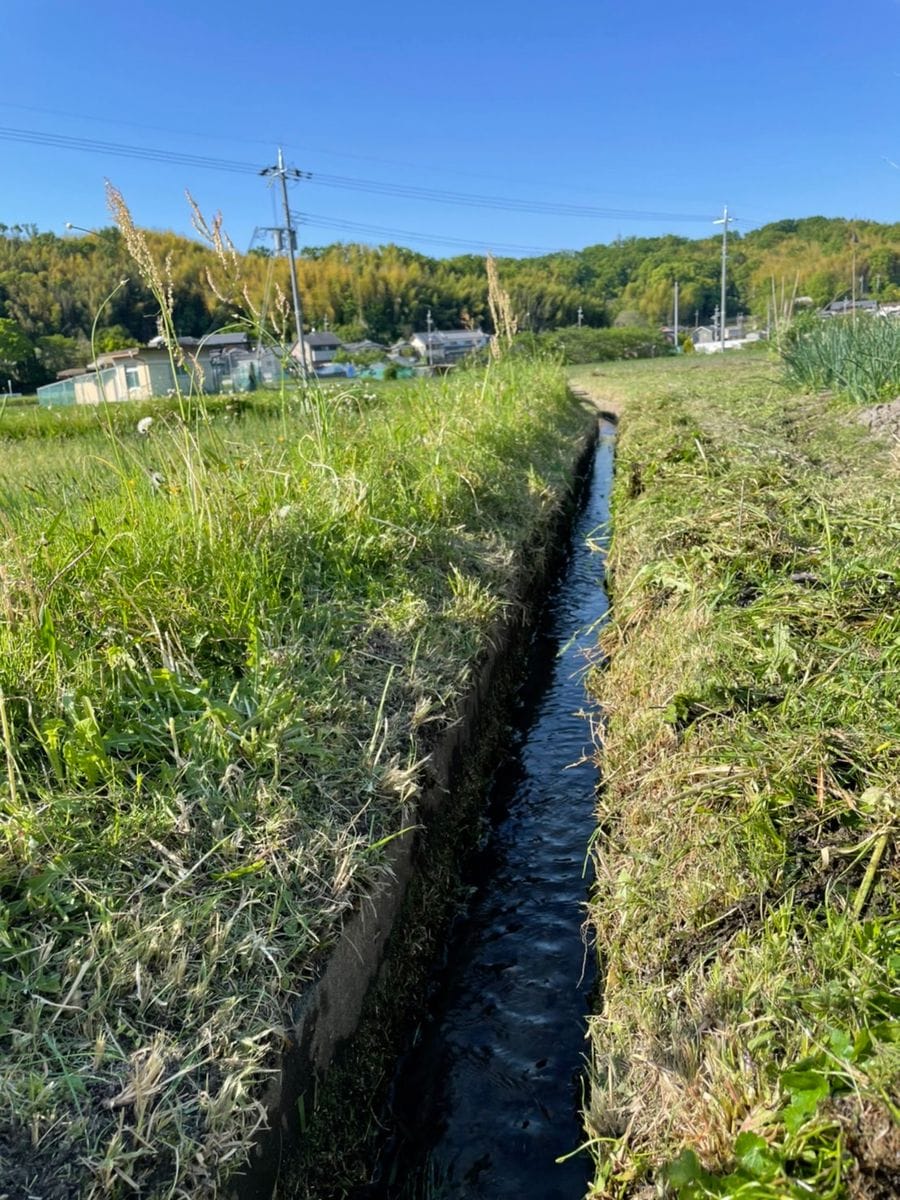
x: 325, y: 338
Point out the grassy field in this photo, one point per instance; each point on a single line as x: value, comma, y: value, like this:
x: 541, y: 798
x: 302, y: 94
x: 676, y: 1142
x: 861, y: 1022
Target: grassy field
x: 221, y: 645
x: 25, y: 422
x: 747, y: 1041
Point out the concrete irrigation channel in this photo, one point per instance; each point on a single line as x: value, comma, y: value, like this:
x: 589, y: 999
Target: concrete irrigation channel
x: 471, y: 1085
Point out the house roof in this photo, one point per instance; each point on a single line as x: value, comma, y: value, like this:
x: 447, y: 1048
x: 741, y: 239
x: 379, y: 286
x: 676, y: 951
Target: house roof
x: 211, y: 341
x: 221, y: 340
x: 72, y: 372
x: 322, y: 339
x: 365, y: 344
x: 159, y: 342
x: 113, y: 356
x: 849, y: 305
x: 449, y: 336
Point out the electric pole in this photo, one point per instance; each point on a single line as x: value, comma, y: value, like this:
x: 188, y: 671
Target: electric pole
x: 428, y: 327
x: 675, y: 322
x: 723, y: 221
x: 283, y: 173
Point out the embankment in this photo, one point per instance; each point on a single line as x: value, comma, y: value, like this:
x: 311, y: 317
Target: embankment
x: 227, y: 650
x: 745, y: 1042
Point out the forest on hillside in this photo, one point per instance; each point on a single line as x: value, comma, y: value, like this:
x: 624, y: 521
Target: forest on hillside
x: 54, y: 290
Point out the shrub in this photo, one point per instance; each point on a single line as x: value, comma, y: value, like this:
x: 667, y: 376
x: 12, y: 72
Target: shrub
x: 582, y: 344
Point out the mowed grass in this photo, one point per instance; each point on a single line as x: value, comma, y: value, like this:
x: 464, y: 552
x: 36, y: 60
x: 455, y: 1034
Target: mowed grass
x: 221, y: 647
x: 747, y: 1041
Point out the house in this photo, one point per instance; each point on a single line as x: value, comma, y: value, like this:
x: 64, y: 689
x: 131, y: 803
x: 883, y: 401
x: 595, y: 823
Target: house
x: 703, y: 334
x: 134, y: 374
x: 840, y: 308
x: 319, y: 348
x: 448, y: 345
x: 218, y: 363
x: 363, y: 347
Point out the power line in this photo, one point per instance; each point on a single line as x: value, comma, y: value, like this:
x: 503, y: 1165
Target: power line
x: 504, y: 203
x: 123, y: 150
x: 371, y: 186
x: 191, y: 133
x: 315, y: 220
x: 330, y: 152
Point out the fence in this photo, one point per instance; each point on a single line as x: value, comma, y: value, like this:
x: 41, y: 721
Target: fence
x: 53, y: 394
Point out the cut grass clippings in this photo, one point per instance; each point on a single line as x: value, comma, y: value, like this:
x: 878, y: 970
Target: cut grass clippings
x: 224, y: 649
x: 747, y: 1041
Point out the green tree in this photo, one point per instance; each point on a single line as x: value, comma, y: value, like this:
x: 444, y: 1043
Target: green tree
x: 56, y: 353
x: 113, y: 337
x: 17, y: 357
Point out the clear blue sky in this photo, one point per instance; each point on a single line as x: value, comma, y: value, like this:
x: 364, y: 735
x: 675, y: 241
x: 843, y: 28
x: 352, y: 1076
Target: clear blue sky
x: 779, y: 108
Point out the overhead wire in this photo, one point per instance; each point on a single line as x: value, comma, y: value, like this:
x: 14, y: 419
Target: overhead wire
x: 316, y: 220
x: 300, y: 148
x: 371, y: 186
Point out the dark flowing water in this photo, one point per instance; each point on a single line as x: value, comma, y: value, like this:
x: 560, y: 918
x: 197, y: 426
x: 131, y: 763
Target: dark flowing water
x: 489, y: 1096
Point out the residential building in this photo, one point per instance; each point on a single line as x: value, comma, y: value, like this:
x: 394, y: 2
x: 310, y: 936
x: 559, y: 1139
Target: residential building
x: 448, y: 345
x: 319, y: 349
x: 363, y: 347
x: 219, y: 363
x: 840, y: 308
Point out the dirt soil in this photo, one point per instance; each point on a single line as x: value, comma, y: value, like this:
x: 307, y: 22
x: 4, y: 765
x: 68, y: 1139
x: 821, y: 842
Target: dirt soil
x: 883, y: 419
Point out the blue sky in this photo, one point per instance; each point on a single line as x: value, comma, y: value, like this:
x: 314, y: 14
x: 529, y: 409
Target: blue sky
x: 776, y: 108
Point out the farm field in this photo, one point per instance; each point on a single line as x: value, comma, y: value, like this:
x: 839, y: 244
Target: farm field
x: 746, y: 916
x: 223, y: 645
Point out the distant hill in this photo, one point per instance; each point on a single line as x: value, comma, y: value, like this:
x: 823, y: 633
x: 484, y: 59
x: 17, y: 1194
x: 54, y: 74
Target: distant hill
x: 51, y: 288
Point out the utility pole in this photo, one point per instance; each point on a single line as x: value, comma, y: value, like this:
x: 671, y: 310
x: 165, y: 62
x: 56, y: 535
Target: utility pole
x: 283, y: 173
x: 428, y: 327
x: 723, y: 221
x: 675, y: 322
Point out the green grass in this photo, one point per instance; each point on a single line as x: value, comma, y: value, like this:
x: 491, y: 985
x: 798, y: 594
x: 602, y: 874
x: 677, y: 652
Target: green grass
x: 747, y: 1041
x: 65, y: 421
x: 219, y: 645
x: 859, y: 356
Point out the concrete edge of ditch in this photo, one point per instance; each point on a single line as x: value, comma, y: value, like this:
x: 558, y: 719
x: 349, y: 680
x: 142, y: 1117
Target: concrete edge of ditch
x: 330, y: 1010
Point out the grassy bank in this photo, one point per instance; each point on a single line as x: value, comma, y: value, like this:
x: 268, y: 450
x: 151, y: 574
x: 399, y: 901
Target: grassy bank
x: 224, y: 650
x: 747, y: 1042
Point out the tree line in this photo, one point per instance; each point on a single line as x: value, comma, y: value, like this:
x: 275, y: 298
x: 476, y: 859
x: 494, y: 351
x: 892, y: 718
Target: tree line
x: 55, y: 291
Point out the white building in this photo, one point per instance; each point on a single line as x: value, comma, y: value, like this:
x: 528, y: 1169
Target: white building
x: 448, y: 345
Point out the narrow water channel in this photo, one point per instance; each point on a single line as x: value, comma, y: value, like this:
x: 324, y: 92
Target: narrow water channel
x: 488, y: 1097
